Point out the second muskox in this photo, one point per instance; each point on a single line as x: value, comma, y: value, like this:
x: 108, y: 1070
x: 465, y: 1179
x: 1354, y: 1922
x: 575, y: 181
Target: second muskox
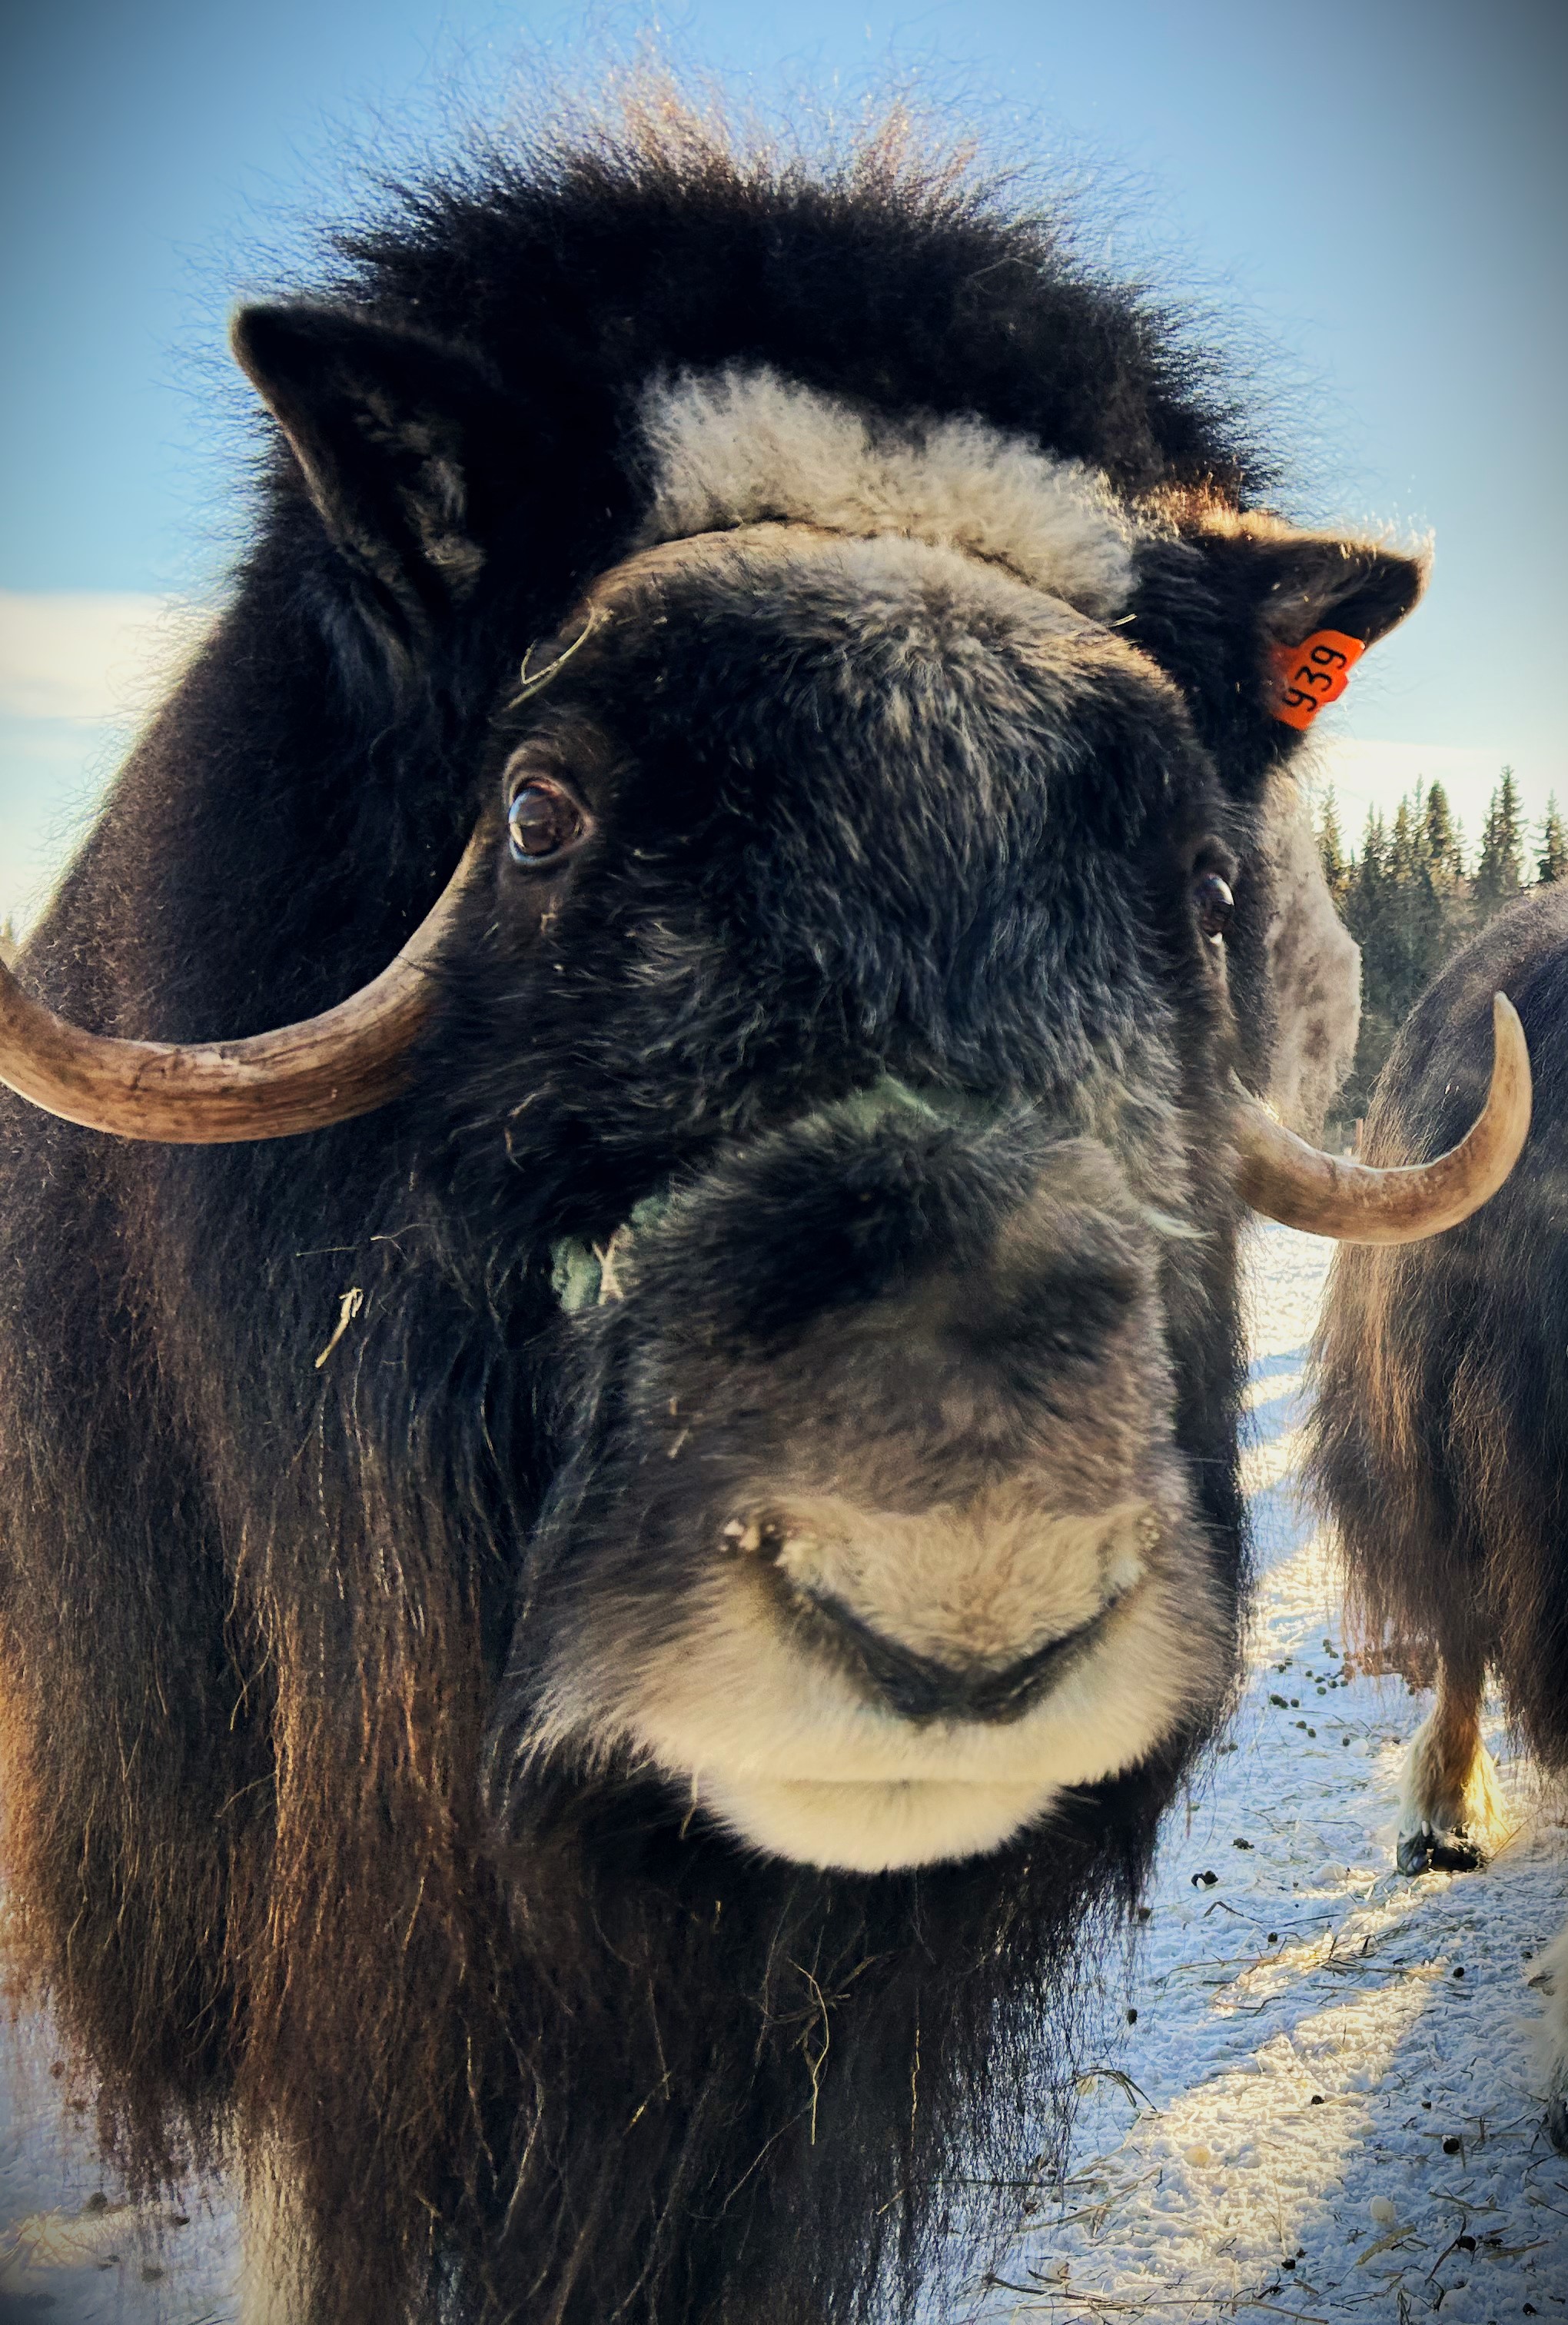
x: 1441, y: 1427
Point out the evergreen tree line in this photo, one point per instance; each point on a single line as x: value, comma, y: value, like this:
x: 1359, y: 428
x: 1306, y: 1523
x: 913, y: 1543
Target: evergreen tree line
x: 1413, y: 896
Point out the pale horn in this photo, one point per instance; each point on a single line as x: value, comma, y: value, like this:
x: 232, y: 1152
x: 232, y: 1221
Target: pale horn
x: 1286, y: 1179
x: 348, y: 1061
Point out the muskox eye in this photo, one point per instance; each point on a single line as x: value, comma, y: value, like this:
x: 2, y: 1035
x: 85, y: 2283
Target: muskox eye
x: 1214, y: 902
x: 542, y: 819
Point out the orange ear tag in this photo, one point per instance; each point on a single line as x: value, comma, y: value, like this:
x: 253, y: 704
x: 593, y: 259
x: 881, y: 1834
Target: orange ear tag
x: 1309, y: 675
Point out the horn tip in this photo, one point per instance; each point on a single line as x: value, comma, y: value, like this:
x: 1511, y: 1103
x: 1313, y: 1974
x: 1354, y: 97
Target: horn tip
x: 1511, y: 1065
x: 1509, y: 1036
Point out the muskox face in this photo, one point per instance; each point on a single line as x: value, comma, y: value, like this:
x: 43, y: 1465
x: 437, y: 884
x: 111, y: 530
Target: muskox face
x: 831, y: 1073
x: 858, y: 1039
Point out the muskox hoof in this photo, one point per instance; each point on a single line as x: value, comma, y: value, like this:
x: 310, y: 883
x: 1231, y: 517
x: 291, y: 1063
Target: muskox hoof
x: 1426, y: 1851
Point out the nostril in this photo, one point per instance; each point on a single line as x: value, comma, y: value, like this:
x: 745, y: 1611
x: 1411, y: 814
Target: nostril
x: 769, y: 1535
x: 922, y: 1687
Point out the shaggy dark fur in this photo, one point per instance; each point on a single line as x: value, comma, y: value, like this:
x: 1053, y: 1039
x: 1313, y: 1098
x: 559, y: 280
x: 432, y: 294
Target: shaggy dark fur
x: 598, y: 2063
x: 1441, y: 1429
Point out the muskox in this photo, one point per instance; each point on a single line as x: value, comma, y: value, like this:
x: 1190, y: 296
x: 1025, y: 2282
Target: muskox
x: 1440, y: 1435
x: 614, y: 1543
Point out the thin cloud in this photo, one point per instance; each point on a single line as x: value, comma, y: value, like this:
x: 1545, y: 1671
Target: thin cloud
x: 93, y: 657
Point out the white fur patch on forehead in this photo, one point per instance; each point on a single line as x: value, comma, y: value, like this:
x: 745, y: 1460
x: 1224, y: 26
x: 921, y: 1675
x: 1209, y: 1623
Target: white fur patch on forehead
x: 738, y: 447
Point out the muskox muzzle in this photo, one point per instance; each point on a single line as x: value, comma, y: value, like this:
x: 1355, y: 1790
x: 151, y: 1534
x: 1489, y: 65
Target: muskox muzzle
x: 872, y: 1534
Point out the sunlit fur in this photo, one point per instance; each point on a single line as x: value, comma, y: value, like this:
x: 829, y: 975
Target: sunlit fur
x: 1548, y: 1974
x: 1315, y: 964
x: 1450, y: 1809
x: 1441, y: 1429
x: 508, y: 2023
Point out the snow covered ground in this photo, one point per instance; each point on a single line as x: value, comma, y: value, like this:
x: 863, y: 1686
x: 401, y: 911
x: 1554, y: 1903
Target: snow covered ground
x: 70, y: 2252
x: 1323, y: 2110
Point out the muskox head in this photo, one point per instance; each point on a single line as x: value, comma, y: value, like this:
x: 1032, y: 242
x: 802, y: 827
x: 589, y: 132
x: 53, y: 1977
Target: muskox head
x: 848, y: 1004
x: 861, y: 884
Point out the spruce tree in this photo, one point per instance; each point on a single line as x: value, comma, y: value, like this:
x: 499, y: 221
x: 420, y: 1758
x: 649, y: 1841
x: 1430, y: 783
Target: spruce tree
x: 1368, y: 913
x: 1337, y: 866
x: 1551, y: 853
x: 1499, y: 870
x: 1364, y: 892
x: 1413, y: 932
x: 1443, y: 839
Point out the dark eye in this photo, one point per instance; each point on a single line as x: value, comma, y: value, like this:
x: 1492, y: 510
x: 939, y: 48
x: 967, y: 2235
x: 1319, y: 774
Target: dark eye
x: 1213, y: 904
x: 542, y: 820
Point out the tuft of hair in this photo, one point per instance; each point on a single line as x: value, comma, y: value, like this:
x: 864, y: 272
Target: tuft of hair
x: 646, y: 237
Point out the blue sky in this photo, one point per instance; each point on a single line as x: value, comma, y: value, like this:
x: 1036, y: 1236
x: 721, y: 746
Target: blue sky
x: 1373, y: 196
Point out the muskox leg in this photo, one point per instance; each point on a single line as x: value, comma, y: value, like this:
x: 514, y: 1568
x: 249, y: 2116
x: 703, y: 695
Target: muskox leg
x: 1450, y: 1808
x: 1549, y: 1977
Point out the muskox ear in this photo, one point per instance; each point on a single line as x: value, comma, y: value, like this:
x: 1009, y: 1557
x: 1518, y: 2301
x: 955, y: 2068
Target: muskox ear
x: 1319, y: 601
x: 1264, y: 625
x: 1299, y: 582
x: 392, y: 433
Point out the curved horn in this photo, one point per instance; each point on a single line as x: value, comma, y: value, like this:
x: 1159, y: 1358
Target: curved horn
x: 349, y: 1061
x: 1286, y: 1179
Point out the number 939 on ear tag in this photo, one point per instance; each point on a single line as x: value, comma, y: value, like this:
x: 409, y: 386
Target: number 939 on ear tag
x: 1311, y: 674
